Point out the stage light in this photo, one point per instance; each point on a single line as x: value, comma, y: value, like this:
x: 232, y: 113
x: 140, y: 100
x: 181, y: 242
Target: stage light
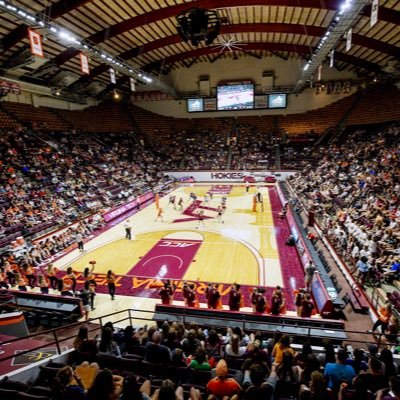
x: 66, y: 36
x: 345, y: 6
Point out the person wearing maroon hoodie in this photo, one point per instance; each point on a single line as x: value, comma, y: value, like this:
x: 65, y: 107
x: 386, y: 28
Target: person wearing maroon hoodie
x: 235, y: 298
x: 307, y: 307
x: 213, y: 297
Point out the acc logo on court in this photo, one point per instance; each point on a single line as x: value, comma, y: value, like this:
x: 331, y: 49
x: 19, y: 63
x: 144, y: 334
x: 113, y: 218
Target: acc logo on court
x: 175, y: 244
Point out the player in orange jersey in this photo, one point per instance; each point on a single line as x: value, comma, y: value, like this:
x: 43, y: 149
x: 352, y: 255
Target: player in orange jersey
x: 160, y: 213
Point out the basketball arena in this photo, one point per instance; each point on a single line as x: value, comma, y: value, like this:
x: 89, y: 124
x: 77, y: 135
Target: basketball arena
x: 200, y: 199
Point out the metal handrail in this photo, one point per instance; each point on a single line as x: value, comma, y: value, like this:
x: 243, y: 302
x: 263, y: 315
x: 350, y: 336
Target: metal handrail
x: 57, y: 341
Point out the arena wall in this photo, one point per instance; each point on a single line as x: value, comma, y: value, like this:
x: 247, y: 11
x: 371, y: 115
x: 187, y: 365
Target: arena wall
x: 305, y: 101
x: 286, y: 72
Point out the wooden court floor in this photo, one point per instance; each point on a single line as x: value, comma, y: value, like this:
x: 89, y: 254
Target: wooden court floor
x: 242, y: 249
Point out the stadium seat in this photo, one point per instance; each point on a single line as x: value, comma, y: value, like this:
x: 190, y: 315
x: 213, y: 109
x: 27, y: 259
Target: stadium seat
x: 40, y: 391
x: 27, y: 396
x: 8, y: 394
x: 9, y: 384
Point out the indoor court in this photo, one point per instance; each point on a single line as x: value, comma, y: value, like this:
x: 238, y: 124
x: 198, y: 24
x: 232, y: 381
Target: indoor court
x: 247, y: 247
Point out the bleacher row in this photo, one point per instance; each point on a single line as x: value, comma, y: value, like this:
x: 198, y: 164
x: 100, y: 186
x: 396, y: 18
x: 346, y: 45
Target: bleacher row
x: 133, y: 363
x: 113, y: 117
x: 186, y: 377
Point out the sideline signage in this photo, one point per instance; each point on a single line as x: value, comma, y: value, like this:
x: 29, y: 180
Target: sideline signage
x: 228, y: 176
x: 110, y: 215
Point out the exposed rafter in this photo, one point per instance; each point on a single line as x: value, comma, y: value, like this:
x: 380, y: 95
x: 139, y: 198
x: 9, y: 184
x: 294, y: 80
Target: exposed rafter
x: 78, y: 44
x: 345, y: 19
x: 241, y: 28
x: 54, y: 11
x: 273, y: 47
x: 385, y: 14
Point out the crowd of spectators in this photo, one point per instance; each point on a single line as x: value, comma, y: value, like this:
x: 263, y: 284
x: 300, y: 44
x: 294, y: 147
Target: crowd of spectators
x: 234, y: 364
x: 252, y: 149
x: 243, y: 147
x: 192, y: 151
x: 49, y: 180
x: 354, y: 191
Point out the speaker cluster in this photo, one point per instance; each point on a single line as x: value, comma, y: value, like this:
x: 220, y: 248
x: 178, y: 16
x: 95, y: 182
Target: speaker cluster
x: 197, y: 25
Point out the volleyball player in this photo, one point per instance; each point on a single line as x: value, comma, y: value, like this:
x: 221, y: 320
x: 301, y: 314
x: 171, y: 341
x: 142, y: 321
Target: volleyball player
x: 220, y: 211
x: 180, y: 205
x: 200, y: 216
x: 160, y: 213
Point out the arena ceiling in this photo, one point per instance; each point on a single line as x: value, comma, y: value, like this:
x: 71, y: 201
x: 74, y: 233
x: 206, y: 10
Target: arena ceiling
x: 143, y: 32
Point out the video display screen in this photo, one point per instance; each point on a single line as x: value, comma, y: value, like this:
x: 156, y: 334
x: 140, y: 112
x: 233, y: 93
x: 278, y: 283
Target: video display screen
x: 277, y: 100
x: 235, y: 97
x: 195, y: 105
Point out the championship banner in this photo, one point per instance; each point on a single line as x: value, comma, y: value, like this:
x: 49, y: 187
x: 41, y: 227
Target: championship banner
x: 36, y: 43
x: 332, y: 59
x: 112, y: 76
x: 348, y: 39
x: 132, y: 84
x: 319, y: 75
x: 374, y: 12
x: 84, y: 63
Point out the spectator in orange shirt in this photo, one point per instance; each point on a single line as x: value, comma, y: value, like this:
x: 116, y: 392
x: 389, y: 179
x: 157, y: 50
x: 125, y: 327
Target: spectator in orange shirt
x: 384, y: 314
x: 222, y: 386
x: 51, y: 274
x: 280, y: 347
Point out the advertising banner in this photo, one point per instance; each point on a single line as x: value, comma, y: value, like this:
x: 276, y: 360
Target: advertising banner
x: 228, y: 176
x: 116, y: 212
